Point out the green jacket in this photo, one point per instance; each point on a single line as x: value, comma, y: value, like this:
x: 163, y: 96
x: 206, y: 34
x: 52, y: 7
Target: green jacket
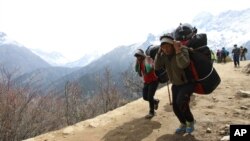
x: 175, y: 65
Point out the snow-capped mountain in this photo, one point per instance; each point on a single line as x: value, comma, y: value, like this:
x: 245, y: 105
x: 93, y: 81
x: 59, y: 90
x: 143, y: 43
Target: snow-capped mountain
x: 226, y: 29
x: 57, y: 59
x: 14, y: 57
x: 53, y: 58
x: 223, y: 30
x: 85, y: 60
x: 120, y: 59
x: 235, y: 32
x: 4, y: 39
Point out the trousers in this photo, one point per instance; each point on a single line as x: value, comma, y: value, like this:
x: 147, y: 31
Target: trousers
x: 181, y: 99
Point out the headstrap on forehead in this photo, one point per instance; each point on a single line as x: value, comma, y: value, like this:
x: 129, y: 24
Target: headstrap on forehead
x: 167, y: 40
x: 139, y: 52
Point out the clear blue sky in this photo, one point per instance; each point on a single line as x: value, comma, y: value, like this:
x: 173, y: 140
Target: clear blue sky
x: 74, y: 27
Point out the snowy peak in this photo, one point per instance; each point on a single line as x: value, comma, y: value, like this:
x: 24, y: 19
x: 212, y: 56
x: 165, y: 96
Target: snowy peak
x: 14, y: 56
x: 225, y: 29
x: 153, y: 39
x: 53, y: 58
x: 201, y: 18
x: 57, y: 59
x: 2, y: 35
x: 150, y: 37
x: 4, y: 39
x: 85, y: 60
x: 236, y: 21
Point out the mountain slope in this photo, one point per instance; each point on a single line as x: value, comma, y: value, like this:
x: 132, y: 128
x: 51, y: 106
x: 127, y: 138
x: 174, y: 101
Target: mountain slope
x: 118, y: 60
x: 41, y: 78
x: 127, y: 123
x: 14, y: 56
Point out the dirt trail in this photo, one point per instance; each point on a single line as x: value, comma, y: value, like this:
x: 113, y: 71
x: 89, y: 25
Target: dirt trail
x: 127, y: 123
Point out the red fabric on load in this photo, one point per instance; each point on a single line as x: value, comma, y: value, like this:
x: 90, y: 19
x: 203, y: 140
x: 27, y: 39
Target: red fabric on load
x: 184, y: 42
x: 198, y: 87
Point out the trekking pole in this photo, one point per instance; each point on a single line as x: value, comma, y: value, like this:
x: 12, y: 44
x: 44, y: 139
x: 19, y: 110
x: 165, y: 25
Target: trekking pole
x: 169, y: 95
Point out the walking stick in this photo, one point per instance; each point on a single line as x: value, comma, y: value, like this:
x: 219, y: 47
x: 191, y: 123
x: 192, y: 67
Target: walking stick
x: 169, y: 95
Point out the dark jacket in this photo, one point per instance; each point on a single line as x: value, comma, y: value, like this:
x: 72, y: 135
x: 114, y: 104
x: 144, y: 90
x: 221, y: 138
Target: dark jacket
x: 236, y: 51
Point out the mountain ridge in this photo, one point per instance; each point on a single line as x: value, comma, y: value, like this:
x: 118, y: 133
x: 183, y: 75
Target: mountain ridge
x: 225, y: 29
x: 15, y: 57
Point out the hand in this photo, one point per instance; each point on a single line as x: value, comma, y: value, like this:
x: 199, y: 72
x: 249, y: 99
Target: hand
x: 177, y: 46
x: 159, y: 51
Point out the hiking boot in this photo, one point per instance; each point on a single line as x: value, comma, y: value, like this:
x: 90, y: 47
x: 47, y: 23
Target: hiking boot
x: 190, y: 127
x: 157, y: 101
x: 150, y: 115
x: 181, y: 129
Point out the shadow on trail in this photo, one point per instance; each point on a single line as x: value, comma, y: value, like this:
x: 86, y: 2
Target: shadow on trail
x: 177, y: 137
x: 135, y: 130
x: 168, y: 108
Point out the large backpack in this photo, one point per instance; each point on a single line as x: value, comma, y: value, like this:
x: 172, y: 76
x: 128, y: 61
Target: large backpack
x: 202, y: 73
x: 245, y: 50
x: 199, y: 44
x: 152, y: 50
x: 201, y: 70
x: 161, y: 73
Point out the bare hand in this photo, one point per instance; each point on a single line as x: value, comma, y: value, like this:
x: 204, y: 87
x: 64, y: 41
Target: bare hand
x: 177, y: 46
